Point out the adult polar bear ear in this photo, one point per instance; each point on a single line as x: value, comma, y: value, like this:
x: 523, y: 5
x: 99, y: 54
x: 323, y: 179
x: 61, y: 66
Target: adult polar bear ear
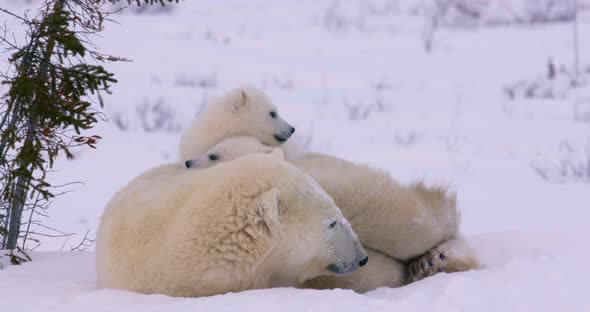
x: 269, y: 206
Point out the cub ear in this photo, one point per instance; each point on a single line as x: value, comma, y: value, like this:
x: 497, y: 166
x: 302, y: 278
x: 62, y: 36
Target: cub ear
x: 269, y: 206
x: 278, y: 153
x: 239, y: 100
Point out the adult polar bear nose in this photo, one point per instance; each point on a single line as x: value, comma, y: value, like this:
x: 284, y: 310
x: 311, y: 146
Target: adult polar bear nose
x: 188, y: 163
x: 342, y: 268
x: 364, y: 261
x: 292, y: 129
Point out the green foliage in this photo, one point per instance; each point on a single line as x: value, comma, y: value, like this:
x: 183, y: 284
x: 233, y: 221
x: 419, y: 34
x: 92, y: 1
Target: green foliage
x: 54, y: 93
x: 50, y: 92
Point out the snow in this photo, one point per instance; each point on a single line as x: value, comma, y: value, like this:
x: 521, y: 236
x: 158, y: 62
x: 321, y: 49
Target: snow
x: 358, y: 85
x: 525, y: 272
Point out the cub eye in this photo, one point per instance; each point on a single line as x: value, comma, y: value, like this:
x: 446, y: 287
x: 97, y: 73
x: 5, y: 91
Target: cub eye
x: 273, y: 114
x: 213, y: 157
x: 333, y: 224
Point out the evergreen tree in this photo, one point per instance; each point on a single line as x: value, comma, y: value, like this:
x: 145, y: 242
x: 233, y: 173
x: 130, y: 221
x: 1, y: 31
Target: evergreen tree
x: 55, y: 83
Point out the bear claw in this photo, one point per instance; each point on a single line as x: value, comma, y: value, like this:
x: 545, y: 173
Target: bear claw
x: 430, y: 263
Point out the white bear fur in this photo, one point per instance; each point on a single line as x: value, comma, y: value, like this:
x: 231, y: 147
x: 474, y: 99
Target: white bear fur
x: 255, y: 222
x: 402, y: 222
x: 395, y: 223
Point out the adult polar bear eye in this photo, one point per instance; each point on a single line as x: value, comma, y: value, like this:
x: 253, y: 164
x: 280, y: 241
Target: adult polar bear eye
x: 333, y: 224
x: 213, y: 157
x: 273, y: 114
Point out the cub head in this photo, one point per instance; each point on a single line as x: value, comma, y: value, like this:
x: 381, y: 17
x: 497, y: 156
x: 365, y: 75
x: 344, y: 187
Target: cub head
x: 230, y: 149
x: 251, y: 112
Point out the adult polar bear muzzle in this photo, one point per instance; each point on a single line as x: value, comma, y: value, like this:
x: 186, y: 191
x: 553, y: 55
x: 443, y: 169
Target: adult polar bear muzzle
x: 345, y: 248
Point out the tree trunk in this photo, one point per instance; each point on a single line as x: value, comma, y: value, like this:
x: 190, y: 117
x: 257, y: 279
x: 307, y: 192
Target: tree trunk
x: 16, y: 208
x: 21, y: 188
x: 19, y: 197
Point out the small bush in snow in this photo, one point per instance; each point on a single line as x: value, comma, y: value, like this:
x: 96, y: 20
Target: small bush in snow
x: 204, y: 81
x: 284, y: 82
x: 357, y: 110
x: 157, y: 116
x: 554, y: 84
x: 126, y: 7
x: 566, y: 165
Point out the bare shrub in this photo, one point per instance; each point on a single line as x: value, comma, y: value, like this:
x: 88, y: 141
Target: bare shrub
x: 568, y: 165
x: 406, y: 139
x: 433, y: 17
x: 120, y: 122
x: 124, y: 7
x: 381, y: 84
x: 83, y: 244
x: 216, y: 37
x: 468, y: 13
x: 553, y: 84
x: 284, y: 82
x: 381, y: 104
x: 357, y: 111
x: 335, y: 19
x: 204, y: 81
x: 157, y: 116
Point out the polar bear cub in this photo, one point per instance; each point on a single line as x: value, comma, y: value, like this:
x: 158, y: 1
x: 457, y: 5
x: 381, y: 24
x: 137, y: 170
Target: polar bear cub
x: 255, y: 222
x: 243, y: 111
x: 230, y: 149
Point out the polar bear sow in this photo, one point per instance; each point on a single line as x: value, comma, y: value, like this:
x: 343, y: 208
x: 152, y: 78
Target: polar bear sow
x: 395, y: 221
x: 243, y: 111
x: 402, y: 222
x: 255, y: 222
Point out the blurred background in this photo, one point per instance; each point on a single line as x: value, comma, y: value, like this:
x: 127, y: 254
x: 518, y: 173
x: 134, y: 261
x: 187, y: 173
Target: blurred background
x: 491, y: 97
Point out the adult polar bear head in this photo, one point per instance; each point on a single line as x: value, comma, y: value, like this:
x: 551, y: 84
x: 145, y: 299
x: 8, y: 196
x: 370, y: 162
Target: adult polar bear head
x: 254, y: 222
x: 243, y: 111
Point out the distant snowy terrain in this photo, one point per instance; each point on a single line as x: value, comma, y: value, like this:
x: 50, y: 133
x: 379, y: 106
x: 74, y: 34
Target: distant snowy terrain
x: 477, y: 112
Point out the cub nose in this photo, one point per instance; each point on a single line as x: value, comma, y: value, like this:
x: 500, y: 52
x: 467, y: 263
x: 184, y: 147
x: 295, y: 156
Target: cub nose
x: 364, y: 261
x: 188, y: 163
x: 292, y: 130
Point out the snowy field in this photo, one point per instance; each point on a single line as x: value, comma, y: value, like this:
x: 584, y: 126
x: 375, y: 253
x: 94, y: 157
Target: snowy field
x: 356, y: 82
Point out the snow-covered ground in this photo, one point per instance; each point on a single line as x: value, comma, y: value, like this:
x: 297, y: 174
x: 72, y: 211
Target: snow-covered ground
x: 356, y: 83
x: 526, y: 272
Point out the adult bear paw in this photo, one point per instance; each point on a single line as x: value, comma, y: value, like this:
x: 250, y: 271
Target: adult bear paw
x: 430, y: 263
